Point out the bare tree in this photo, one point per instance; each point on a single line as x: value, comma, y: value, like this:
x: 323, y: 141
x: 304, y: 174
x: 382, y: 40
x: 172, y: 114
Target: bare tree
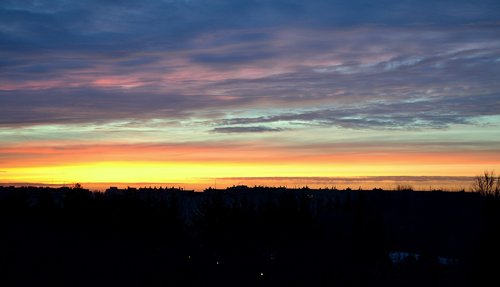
x: 487, y: 184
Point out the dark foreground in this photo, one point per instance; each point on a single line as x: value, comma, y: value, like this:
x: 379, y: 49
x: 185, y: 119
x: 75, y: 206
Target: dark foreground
x: 247, y: 237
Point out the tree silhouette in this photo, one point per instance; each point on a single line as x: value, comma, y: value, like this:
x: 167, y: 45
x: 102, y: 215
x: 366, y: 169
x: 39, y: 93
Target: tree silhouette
x: 487, y: 184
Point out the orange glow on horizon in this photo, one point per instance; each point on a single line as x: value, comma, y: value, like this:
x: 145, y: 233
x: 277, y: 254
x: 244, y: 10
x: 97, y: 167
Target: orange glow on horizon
x: 196, y: 172
x: 61, y: 155
x: 194, y: 163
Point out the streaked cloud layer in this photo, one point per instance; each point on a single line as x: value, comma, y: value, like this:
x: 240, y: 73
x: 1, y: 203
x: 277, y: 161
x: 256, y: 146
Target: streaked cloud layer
x: 263, y: 81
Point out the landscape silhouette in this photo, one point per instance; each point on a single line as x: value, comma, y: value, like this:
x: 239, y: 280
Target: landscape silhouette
x: 249, y: 236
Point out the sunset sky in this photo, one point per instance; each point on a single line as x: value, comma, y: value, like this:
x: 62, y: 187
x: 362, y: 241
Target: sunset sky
x: 189, y: 91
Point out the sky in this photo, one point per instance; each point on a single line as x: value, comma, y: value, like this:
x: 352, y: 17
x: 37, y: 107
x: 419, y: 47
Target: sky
x: 188, y: 91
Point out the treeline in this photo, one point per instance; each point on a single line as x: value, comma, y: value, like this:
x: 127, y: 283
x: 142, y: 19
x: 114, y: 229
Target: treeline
x: 246, y: 237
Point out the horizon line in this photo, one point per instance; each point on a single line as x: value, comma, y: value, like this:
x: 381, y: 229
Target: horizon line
x: 455, y: 183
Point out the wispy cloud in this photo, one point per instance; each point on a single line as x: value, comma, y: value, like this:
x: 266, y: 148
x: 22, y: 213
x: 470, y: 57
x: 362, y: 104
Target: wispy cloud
x: 361, y: 67
x: 245, y: 129
x: 424, y: 113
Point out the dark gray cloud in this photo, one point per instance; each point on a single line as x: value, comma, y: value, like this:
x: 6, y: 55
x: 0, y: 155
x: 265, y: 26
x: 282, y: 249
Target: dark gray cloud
x: 87, y: 105
x: 330, y: 180
x: 245, y: 129
x: 451, y: 183
x: 434, y: 113
x: 240, y: 58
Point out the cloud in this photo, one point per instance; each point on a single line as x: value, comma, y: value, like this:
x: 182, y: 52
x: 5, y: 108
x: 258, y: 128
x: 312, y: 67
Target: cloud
x: 360, y: 66
x: 387, y: 182
x: 426, y: 113
x: 245, y: 129
x: 106, y: 27
x: 330, y: 180
x: 236, y: 58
